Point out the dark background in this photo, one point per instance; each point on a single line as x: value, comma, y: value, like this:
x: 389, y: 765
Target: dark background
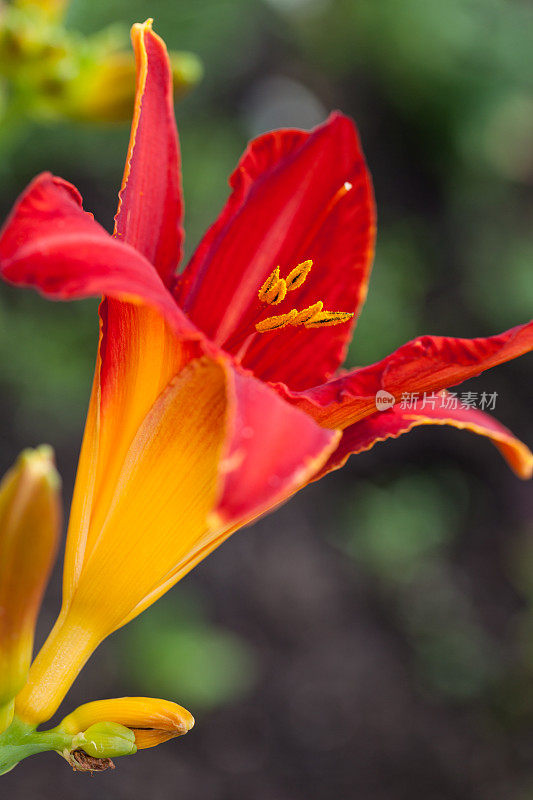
x: 371, y: 639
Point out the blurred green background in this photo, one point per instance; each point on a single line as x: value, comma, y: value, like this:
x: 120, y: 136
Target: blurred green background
x: 372, y: 639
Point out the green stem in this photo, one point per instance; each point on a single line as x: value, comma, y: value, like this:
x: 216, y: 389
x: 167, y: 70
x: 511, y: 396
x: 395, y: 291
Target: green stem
x: 21, y: 740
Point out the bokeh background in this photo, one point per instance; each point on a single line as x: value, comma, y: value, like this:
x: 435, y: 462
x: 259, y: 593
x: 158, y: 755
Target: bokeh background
x: 373, y: 638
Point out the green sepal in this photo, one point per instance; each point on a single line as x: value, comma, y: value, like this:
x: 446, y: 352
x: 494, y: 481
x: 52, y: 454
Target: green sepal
x: 105, y: 740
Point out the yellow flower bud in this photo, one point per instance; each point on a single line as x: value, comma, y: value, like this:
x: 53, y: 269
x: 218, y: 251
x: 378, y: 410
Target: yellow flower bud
x: 105, y: 89
x: 48, y: 9
x: 29, y: 530
x: 152, y: 721
x: 60, y: 74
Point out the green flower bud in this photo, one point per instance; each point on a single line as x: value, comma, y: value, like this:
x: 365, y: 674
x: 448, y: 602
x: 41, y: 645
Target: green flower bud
x: 106, y: 740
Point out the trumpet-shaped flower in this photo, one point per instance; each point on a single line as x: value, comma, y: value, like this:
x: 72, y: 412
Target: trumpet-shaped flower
x: 207, y: 409
x: 30, y: 518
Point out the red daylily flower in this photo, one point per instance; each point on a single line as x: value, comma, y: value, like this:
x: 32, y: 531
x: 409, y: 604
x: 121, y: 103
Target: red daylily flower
x: 297, y: 197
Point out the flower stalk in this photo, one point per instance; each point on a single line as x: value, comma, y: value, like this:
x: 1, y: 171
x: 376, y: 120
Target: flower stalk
x: 21, y: 740
x: 100, y: 742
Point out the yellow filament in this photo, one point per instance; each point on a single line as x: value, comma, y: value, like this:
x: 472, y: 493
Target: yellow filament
x: 274, y: 323
x: 297, y: 276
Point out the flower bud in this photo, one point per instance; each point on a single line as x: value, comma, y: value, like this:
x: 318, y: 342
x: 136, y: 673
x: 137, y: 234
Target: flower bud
x: 29, y: 530
x: 60, y: 74
x: 105, y: 88
x: 49, y: 9
x: 152, y: 721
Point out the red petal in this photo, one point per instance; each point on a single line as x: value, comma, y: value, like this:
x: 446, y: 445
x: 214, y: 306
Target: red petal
x: 390, y: 424
x: 426, y: 364
x: 273, y: 450
x: 288, y: 205
x: 49, y: 242
x: 150, y: 210
x: 139, y: 353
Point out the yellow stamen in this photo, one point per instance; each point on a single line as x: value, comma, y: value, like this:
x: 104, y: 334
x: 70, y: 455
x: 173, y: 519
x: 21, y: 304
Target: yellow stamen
x: 270, y: 281
x: 297, y: 276
x: 274, y: 323
x: 276, y: 293
x: 324, y: 318
x: 273, y: 290
x: 306, y: 314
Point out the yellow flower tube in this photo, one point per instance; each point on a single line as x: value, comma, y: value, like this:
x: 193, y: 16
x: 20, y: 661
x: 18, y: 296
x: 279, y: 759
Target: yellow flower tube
x: 29, y: 530
x: 127, y: 551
